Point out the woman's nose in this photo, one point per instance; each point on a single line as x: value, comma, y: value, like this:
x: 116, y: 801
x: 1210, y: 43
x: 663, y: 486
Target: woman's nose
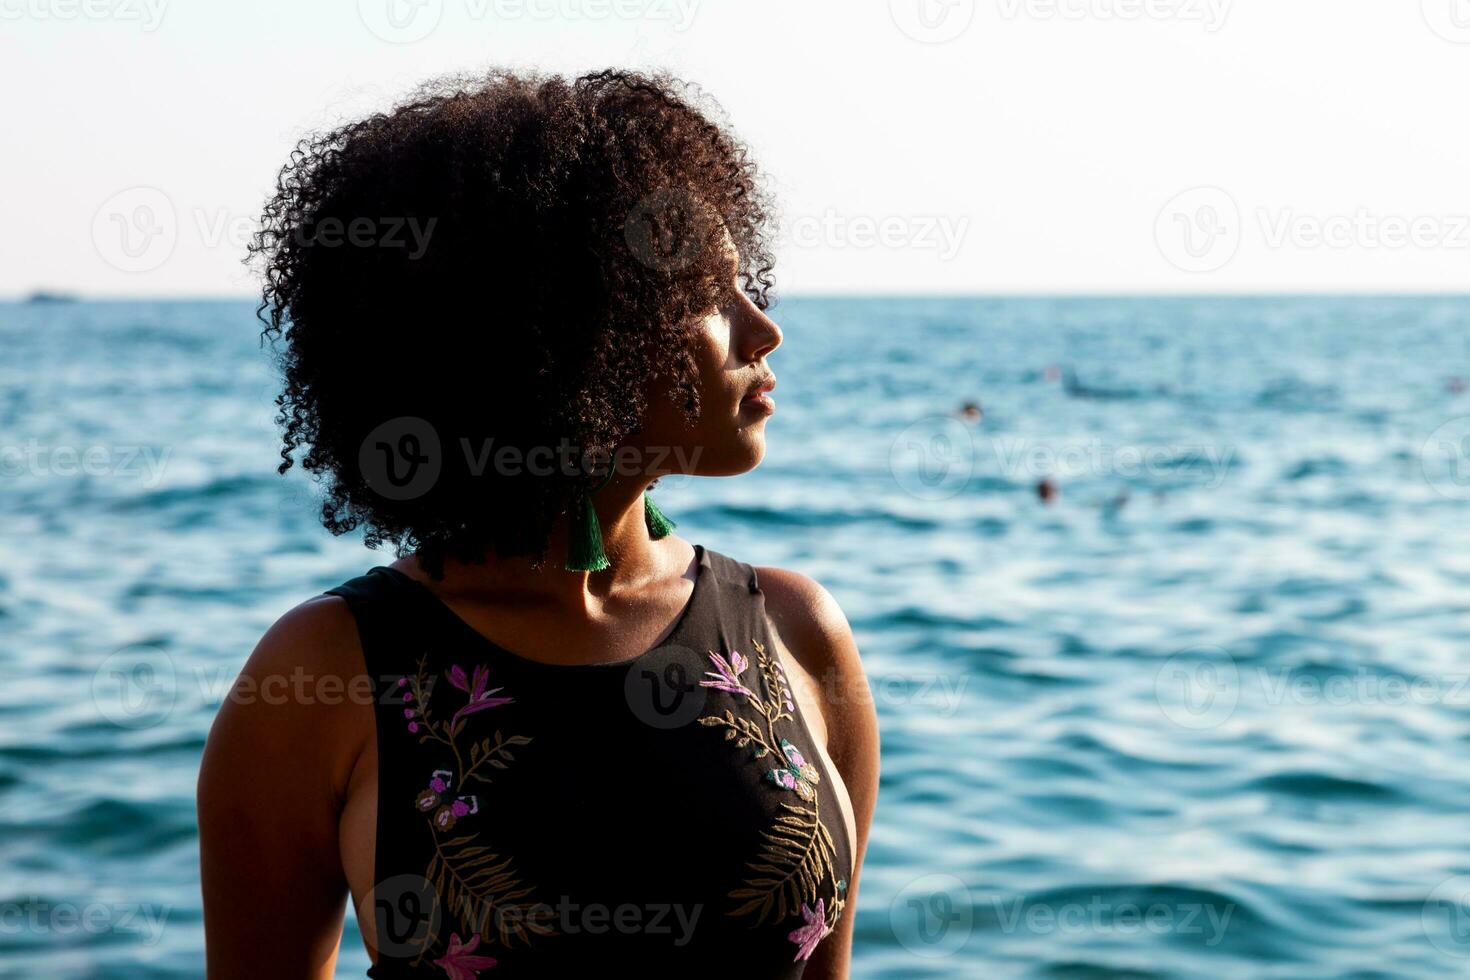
x: 759, y: 334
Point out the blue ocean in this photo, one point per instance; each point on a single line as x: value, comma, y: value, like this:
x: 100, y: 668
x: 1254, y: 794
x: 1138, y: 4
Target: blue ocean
x: 1169, y: 638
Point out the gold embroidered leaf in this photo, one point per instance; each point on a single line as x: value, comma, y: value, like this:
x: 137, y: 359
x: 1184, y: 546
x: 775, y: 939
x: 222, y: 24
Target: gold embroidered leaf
x: 480, y: 888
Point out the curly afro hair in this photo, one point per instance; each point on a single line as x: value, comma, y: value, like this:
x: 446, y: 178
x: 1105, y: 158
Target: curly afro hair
x: 510, y: 261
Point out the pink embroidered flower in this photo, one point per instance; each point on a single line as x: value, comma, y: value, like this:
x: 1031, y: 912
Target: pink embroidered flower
x: 726, y: 675
x: 458, y: 964
x: 474, y: 686
x: 815, y: 930
x: 438, y: 786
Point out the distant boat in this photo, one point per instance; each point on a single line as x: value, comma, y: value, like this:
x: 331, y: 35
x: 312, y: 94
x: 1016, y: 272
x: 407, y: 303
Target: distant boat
x: 46, y: 296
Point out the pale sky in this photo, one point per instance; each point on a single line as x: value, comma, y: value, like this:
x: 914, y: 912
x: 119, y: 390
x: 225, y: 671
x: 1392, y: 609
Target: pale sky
x: 915, y: 146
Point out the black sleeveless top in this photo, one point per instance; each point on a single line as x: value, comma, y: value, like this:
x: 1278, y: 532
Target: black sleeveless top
x: 666, y: 816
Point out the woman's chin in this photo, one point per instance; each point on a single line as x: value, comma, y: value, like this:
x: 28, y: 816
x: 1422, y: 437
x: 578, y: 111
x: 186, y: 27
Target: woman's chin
x: 740, y: 456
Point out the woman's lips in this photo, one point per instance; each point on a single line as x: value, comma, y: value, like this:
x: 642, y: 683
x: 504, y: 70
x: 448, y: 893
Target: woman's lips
x: 759, y: 401
x: 760, y: 398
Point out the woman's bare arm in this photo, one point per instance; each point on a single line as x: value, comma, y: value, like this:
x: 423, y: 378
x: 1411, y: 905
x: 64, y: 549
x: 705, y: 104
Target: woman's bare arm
x: 271, y: 788
x: 812, y: 627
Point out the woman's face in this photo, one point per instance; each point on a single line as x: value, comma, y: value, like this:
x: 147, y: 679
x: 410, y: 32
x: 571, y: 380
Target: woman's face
x: 731, y: 347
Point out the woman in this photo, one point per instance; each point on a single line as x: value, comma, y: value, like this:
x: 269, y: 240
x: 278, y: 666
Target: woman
x: 551, y: 737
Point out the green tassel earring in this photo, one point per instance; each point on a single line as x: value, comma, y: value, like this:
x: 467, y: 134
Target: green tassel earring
x: 584, y: 533
x: 659, y: 526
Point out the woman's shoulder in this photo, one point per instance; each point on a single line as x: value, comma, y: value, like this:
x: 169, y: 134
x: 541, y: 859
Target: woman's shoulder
x: 302, y: 695
x: 815, y: 631
x: 810, y: 624
x: 317, y: 636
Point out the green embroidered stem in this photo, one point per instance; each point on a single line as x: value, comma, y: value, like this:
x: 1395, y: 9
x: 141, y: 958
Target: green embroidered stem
x: 659, y: 526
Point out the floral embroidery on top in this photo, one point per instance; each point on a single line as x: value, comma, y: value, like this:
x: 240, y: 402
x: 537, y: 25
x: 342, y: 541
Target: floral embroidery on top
x: 799, y: 775
x: 813, y: 932
x: 475, y: 884
x: 798, y: 854
x: 459, y: 964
